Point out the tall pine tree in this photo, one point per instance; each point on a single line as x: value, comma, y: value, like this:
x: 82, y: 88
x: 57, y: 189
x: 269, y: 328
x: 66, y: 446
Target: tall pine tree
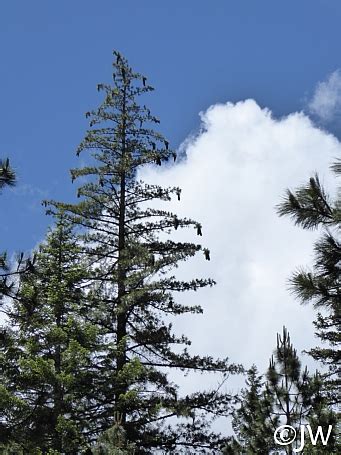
x: 125, y: 236
x: 310, y: 207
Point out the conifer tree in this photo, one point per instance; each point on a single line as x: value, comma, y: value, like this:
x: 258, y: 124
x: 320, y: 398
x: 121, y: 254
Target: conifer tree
x: 310, y: 207
x: 125, y: 236
x: 113, y: 442
x: 253, y: 421
x: 7, y: 178
x: 8, y: 274
x: 7, y: 175
x: 47, y: 348
x: 288, y: 385
x: 322, y: 414
x: 289, y: 396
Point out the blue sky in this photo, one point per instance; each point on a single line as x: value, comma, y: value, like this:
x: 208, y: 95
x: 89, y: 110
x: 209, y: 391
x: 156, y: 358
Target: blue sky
x: 195, y: 53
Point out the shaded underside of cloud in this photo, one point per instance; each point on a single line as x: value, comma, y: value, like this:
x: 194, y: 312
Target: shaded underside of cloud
x: 234, y: 174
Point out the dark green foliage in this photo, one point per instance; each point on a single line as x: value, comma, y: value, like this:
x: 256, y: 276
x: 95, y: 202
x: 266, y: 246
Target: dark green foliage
x: 113, y: 442
x: 288, y: 384
x: 7, y: 175
x: 311, y: 207
x: 124, y: 226
x: 322, y: 414
x: 253, y: 421
x: 47, y: 375
x: 7, y: 178
x: 8, y: 275
x: 289, y: 396
x: 297, y: 396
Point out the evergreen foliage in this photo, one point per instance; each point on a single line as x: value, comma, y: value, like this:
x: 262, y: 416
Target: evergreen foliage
x: 47, y: 352
x: 7, y: 178
x: 113, y: 442
x: 7, y: 175
x: 8, y: 275
x: 311, y: 207
x: 91, y: 326
x: 289, y: 396
x: 253, y: 421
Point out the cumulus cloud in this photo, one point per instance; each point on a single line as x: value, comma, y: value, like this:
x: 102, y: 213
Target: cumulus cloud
x: 235, y: 172
x: 326, y: 101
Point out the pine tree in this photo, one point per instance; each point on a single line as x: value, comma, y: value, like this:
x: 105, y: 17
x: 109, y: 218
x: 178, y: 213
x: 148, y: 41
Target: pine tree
x: 322, y: 414
x: 288, y: 385
x: 289, y: 396
x: 253, y: 420
x: 297, y: 396
x: 7, y: 178
x: 8, y: 274
x: 7, y: 175
x: 310, y: 207
x: 47, y: 349
x: 125, y: 236
x: 113, y: 442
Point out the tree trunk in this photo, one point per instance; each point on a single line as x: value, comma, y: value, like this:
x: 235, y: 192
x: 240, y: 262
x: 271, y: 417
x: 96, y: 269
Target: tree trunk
x: 122, y: 315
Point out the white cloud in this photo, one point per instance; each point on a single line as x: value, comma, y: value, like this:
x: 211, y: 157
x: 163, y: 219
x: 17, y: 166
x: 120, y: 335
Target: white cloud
x: 326, y: 101
x: 236, y: 171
